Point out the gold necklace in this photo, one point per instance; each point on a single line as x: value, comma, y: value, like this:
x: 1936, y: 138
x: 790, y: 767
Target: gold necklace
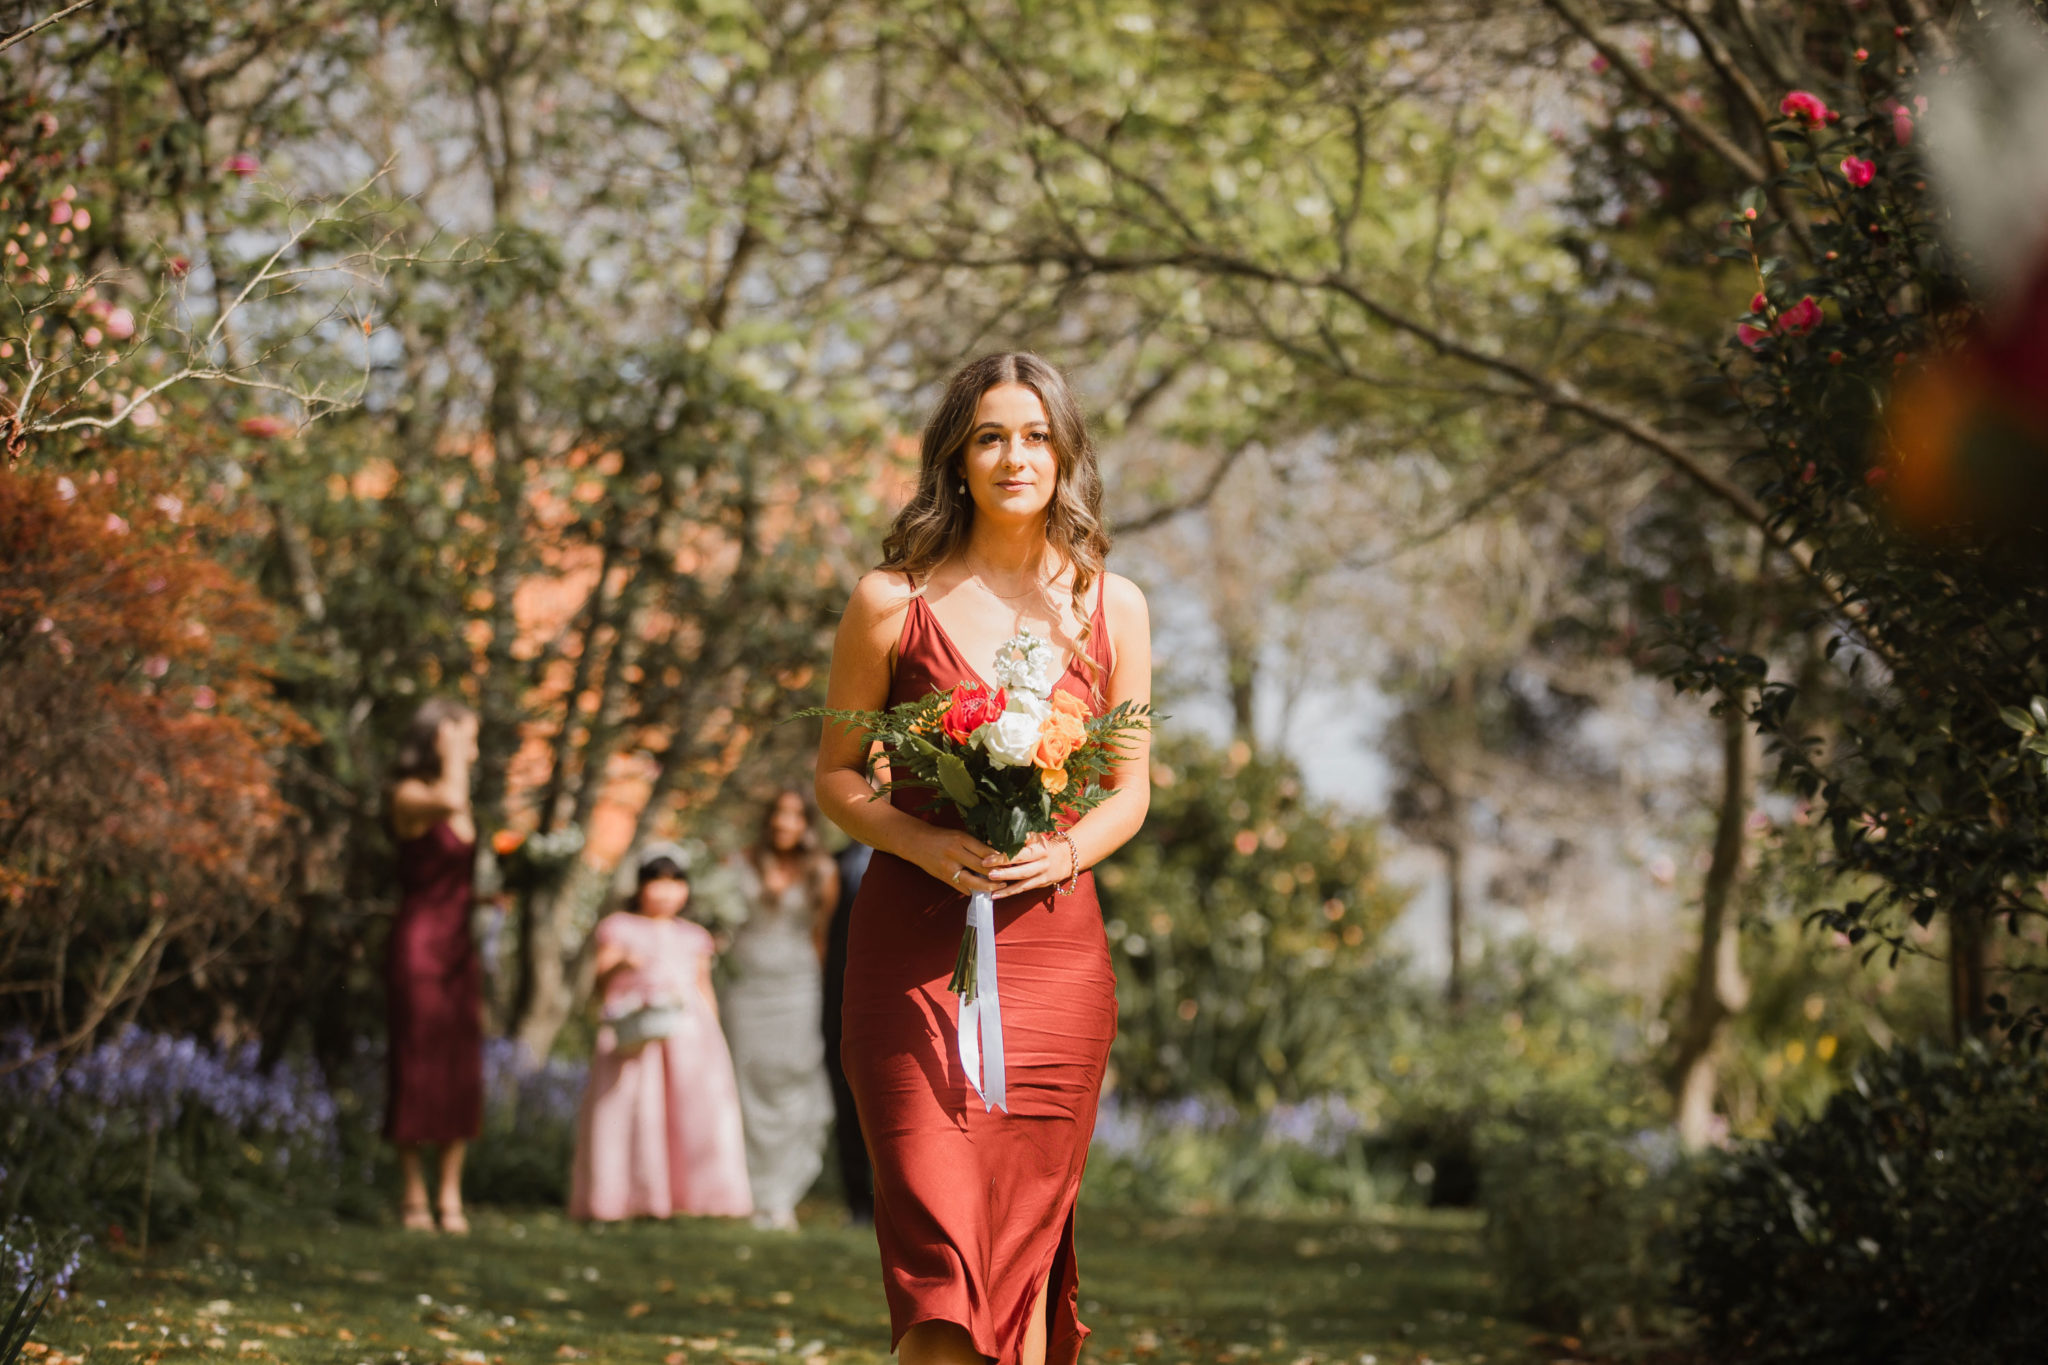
x: 1038, y: 587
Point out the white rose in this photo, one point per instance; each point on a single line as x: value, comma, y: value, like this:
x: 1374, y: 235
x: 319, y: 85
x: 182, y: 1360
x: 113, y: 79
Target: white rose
x: 1025, y: 664
x: 1011, y: 739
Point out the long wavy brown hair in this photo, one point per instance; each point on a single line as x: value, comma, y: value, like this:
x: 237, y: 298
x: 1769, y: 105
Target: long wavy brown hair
x: 936, y: 521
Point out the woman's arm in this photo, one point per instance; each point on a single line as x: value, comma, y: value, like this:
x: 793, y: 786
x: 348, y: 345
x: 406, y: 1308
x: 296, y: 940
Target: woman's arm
x: 861, y: 673
x: 827, y: 905
x: 417, y: 805
x: 1045, y: 861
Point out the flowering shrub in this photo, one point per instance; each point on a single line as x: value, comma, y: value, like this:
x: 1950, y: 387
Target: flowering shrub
x: 1243, y: 921
x: 1202, y: 1154
x: 529, y: 1135
x: 1899, y: 439
x: 146, y: 1131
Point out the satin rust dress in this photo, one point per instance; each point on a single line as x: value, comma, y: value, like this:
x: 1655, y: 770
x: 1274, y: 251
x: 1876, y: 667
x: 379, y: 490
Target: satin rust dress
x: 975, y: 1209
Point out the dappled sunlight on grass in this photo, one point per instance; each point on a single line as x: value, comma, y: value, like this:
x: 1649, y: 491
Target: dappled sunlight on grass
x: 529, y: 1285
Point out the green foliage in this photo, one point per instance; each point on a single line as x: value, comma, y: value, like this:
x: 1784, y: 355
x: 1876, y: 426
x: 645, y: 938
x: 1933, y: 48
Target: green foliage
x: 1939, y: 622
x: 1903, y: 1225
x: 1243, y: 921
x: 1585, y: 1193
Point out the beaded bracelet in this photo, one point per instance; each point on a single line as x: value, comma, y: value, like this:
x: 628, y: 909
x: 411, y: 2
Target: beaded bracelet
x: 1073, y: 861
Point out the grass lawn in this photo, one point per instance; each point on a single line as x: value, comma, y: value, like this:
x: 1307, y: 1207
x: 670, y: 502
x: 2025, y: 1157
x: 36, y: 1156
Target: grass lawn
x: 531, y: 1286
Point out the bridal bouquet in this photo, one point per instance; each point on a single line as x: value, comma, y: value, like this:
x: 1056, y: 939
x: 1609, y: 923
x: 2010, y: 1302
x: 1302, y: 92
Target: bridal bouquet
x: 1012, y: 760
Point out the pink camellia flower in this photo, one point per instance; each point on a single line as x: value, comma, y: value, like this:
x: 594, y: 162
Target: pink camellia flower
x: 1750, y: 336
x: 60, y: 212
x: 1857, y: 171
x: 116, y: 525
x: 265, y: 426
x: 93, y: 337
x: 1902, y: 126
x: 81, y: 220
x: 243, y: 164
x: 177, y: 265
x: 45, y: 626
x: 1599, y: 62
x: 1808, y: 108
x: 120, y: 324
x: 153, y: 584
x: 66, y: 489
x: 155, y: 666
x: 203, y: 698
x: 1758, y: 303
x: 169, y: 506
x: 1801, y: 318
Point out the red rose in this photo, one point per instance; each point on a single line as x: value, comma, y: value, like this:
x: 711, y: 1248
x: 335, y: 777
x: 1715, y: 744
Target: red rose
x: 1858, y: 172
x: 973, y: 707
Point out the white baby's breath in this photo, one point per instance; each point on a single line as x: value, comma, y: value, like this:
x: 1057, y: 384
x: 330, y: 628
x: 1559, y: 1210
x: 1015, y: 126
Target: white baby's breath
x: 1025, y: 663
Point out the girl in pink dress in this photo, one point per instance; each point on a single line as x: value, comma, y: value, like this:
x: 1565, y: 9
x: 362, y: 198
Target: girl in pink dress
x: 659, y: 1131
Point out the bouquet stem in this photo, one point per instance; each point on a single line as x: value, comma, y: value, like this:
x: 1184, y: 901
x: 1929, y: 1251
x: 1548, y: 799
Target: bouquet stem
x: 965, y: 967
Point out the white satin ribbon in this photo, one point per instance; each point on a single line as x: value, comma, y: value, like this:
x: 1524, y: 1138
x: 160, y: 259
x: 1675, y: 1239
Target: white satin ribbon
x: 981, y: 1020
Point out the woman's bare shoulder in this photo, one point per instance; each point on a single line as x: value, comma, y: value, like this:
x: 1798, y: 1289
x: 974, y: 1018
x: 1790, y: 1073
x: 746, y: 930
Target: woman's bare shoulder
x: 880, y: 594
x: 1122, y: 597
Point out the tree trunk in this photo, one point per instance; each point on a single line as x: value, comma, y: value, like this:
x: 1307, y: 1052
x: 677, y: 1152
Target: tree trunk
x: 1453, y: 849
x: 1719, y: 990
x: 1966, y: 962
x: 548, y: 993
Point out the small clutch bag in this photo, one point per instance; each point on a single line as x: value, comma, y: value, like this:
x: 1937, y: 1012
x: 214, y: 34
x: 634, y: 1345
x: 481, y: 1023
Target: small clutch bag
x: 648, y: 1024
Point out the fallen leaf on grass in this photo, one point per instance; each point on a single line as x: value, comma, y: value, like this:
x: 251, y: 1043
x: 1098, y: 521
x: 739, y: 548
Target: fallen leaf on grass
x: 664, y: 1285
x: 676, y: 1358
x: 639, y: 1310
x: 555, y: 1294
x: 702, y: 1343
x: 567, y: 1352
x: 442, y: 1334
x: 344, y: 1335
x: 782, y: 1296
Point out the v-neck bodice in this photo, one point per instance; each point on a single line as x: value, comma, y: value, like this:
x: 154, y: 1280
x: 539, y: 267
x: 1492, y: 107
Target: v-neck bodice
x: 928, y: 661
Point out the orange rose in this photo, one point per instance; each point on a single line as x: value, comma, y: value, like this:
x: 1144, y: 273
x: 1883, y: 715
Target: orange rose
x: 1058, y: 737
x: 1054, y: 780
x: 1067, y: 704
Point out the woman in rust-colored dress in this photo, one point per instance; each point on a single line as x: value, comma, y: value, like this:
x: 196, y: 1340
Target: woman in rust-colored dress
x: 434, y: 982
x: 974, y: 1209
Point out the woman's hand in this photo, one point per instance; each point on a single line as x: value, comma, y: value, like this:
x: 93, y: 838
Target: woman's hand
x: 1043, y: 861
x: 958, y: 859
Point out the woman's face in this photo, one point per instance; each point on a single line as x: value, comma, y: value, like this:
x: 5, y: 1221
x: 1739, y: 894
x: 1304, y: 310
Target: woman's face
x: 664, y: 897
x: 788, y: 824
x: 1011, y: 467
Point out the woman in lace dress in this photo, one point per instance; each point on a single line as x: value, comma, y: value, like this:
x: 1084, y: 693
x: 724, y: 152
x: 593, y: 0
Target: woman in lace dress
x: 771, y: 1006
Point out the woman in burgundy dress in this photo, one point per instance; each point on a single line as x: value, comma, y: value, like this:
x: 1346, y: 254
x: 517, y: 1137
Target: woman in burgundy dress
x: 974, y: 1209
x: 434, y: 982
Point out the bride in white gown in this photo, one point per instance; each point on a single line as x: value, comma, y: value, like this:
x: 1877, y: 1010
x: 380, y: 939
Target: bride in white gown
x: 771, y: 1006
